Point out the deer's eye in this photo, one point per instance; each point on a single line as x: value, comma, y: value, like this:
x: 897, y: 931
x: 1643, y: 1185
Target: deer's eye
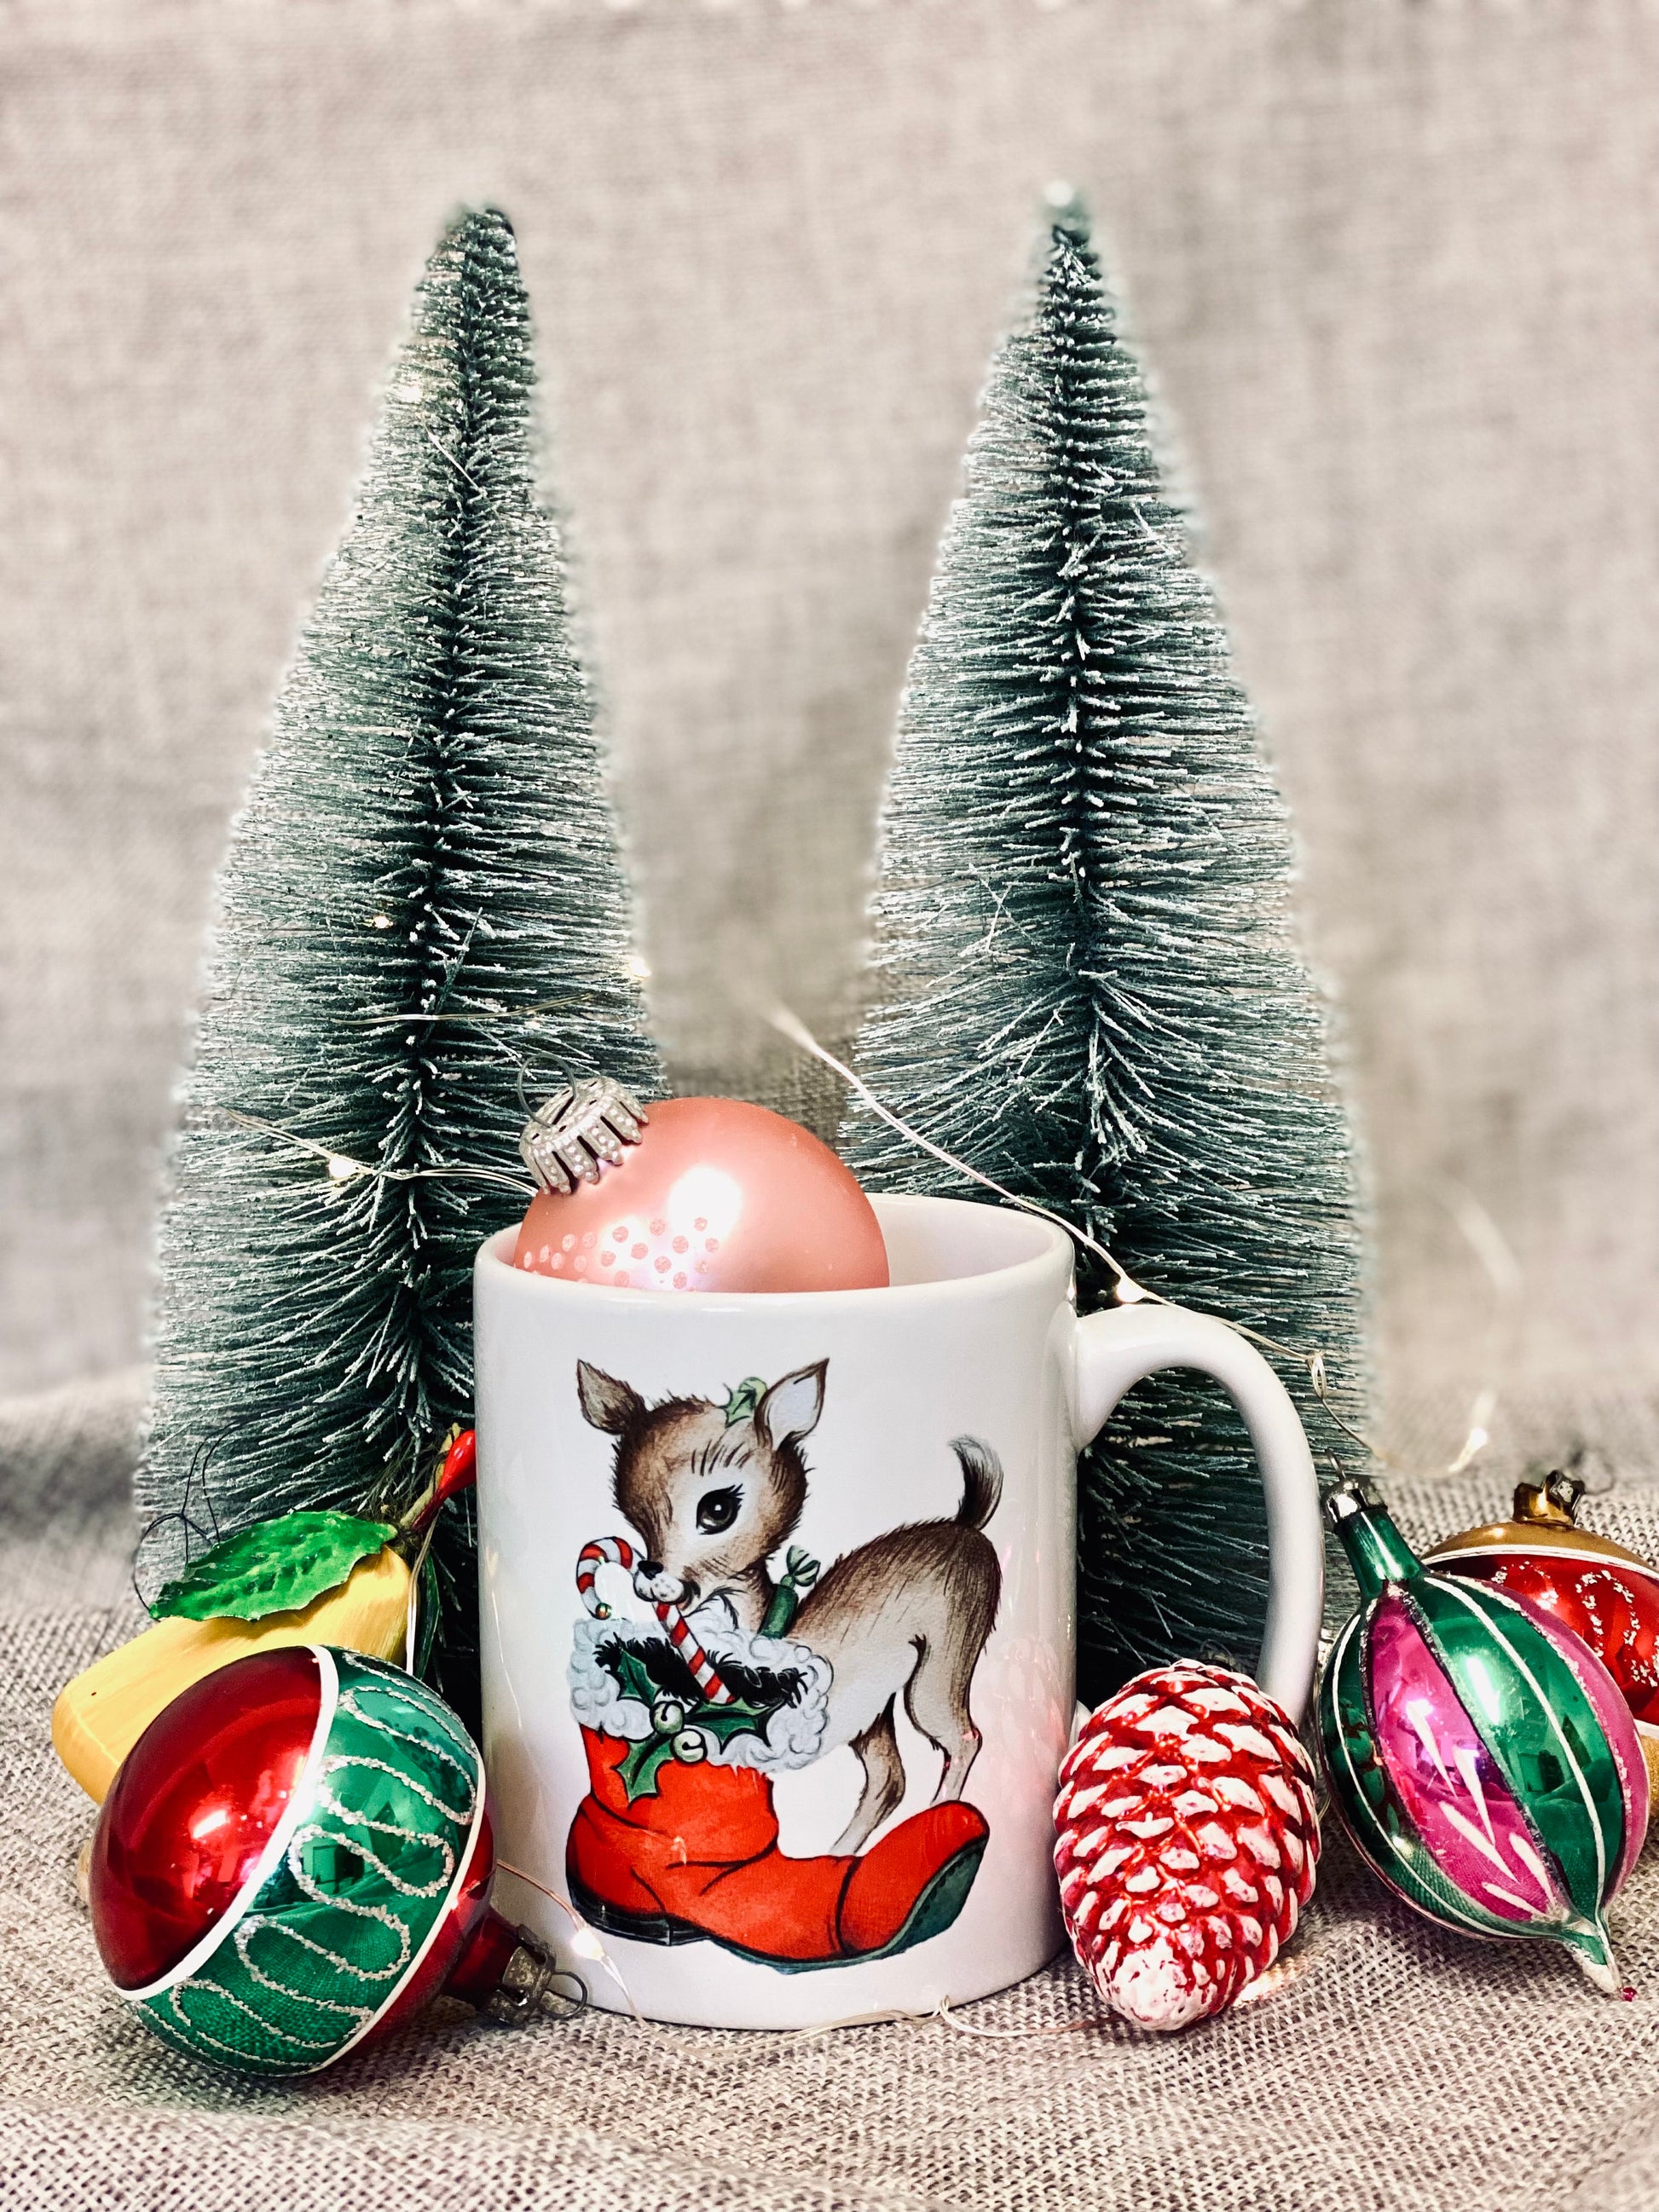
x: 717, y: 1510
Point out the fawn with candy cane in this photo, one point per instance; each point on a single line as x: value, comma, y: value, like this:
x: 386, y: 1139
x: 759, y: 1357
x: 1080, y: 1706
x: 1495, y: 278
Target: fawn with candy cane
x: 677, y: 1838
x: 907, y: 1614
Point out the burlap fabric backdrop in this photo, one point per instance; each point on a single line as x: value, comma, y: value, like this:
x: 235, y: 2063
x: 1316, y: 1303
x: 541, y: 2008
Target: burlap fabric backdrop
x: 1396, y: 266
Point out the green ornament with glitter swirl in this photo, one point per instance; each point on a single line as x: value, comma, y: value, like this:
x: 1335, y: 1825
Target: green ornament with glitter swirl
x: 377, y: 1837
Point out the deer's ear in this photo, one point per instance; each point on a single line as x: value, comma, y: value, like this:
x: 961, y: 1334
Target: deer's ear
x: 791, y: 1407
x: 606, y: 1403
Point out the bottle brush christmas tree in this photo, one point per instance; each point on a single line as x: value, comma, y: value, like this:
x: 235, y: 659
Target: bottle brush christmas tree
x: 1086, y: 978
x: 422, y: 918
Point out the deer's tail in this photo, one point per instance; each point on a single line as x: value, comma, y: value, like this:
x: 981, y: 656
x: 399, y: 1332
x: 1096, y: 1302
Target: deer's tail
x: 982, y: 1482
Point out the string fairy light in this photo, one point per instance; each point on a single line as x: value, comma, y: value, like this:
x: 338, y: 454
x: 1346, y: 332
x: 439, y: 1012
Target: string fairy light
x: 342, y: 1167
x: 586, y: 1944
x: 1481, y: 1231
x: 1477, y: 1226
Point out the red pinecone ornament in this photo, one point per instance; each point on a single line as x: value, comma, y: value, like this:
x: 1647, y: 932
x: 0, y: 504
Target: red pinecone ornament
x: 1188, y: 1841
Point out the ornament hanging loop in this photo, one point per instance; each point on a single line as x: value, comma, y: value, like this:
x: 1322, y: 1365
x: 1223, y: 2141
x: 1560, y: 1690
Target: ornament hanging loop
x: 533, y: 1986
x: 1553, y: 1502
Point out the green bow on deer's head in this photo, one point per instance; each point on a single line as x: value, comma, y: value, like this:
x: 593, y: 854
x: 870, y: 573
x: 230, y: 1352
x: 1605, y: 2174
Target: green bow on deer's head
x: 741, y: 1402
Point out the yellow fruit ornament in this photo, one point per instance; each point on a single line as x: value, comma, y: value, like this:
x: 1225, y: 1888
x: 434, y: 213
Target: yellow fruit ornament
x: 319, y: 1577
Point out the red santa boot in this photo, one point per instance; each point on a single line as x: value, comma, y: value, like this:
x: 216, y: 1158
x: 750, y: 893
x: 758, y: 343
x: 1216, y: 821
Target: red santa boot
x: 697, y: 1855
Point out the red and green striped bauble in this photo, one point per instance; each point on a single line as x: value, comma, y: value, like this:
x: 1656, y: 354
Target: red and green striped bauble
x: 295, y: 1855
x: 1480, y: 1755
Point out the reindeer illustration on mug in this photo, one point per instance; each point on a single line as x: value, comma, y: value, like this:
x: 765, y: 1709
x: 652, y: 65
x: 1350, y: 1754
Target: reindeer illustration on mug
x: 698, y: 1675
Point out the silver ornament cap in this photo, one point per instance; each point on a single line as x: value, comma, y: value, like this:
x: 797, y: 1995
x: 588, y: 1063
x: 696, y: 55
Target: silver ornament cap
x: 533, y: 1986
x: 580, y: 1131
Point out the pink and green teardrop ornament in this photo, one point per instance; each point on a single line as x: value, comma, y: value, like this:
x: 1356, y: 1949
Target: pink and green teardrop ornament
x: 1480, y: 1755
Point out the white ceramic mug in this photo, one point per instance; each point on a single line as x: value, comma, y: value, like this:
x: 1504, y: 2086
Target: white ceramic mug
x: 777, y: 1611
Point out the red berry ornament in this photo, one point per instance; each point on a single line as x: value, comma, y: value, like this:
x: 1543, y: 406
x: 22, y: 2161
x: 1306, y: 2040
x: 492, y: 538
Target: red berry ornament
x: 1188, y: 1841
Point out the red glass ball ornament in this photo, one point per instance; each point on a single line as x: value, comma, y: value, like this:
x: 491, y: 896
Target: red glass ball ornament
x: 717, y: 1194
x: 193, y: 1808
x: 1608, y: 1596
x: 295, y: 1857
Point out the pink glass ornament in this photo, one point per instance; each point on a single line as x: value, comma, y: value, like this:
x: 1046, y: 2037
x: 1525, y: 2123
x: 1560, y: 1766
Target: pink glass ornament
x: 717, y: 1195
x: 1449, y: 1782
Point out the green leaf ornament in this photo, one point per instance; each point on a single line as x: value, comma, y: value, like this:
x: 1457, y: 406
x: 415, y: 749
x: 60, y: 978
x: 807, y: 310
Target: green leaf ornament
x: 280, y: 1566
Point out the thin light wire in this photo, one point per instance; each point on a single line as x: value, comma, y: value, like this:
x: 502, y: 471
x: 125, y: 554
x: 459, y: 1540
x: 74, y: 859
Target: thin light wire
x: 588, y: 1946
x: 1125, y: 1289
x: 1475, y: 1224
x: 1472, y: 1217
x: 336, y: 1162
x: 412, y: 1610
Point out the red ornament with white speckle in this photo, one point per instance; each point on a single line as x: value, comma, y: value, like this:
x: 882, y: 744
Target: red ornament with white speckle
x: 709, y: 1195
x: 1187, y: 1842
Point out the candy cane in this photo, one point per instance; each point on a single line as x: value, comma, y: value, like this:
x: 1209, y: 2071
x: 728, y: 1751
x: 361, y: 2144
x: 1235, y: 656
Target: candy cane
x: 617, y: 1552
x: 602, y: 1552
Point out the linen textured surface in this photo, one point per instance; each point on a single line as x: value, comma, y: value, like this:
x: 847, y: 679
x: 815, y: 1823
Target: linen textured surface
x: 1392, y: 2067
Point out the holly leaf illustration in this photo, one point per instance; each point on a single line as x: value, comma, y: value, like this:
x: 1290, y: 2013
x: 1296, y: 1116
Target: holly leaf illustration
x: 740, y: 1403
x: 643, y: 1763
x: 629, y: 1671
x: 280, y: 1566
x: 800, y: 1572
x: 724, y: 1723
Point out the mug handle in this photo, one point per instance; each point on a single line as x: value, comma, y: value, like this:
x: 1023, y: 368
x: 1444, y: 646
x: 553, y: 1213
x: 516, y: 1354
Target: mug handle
x: 1120, y: 1347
